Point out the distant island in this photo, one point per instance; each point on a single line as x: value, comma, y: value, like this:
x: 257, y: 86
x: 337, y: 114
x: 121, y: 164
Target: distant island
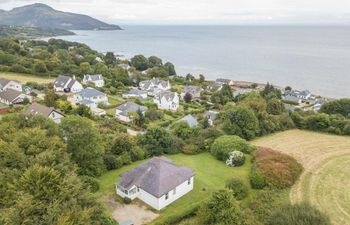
x: 21, y: 32
x: 44, y: 16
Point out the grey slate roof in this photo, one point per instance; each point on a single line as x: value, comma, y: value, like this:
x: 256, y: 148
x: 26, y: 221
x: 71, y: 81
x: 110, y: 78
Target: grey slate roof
x: 4, y: 82
x: 10, y: 95
x: 192, y: 122
x: 36, y: 108
x: 192, y: 89
x: 169, y: 96
x: 147, y: 84
x: 94, y: 77
x: 90, y: 92
x: 61, y: 81
x: 157, y: 176
x: 129, y: 107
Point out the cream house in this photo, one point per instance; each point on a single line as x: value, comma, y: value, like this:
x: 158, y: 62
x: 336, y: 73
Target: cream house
x: 157, y: 182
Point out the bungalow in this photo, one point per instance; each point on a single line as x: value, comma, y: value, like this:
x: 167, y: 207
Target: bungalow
x: 154, y: 86
x: 134, y: 93
x: 10, y: 97
x: 67, y: 84
x: 190, y: 120
x: 167, y: 100
x: 224, y: 81
x: 97, y: 80
x: 157, y: 182
x: 194, y: 91
x: 291, y: 97
x: 91, y: 97
x: 10, y: 84
x: 211, y: 116
x: 123, y: 111
x: 49, y: 112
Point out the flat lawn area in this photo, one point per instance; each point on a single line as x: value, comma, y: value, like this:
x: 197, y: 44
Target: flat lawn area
x: 211, y: 175
x: 24, y: 78
x: 325, y: 181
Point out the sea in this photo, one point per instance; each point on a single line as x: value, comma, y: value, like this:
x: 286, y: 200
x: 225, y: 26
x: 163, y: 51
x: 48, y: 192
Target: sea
x: 316, y: 58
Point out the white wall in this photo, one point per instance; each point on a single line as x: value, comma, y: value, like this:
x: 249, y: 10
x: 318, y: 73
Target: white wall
x: 56, y: 117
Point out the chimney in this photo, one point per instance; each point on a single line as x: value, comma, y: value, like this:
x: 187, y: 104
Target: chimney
x: 74, y: 77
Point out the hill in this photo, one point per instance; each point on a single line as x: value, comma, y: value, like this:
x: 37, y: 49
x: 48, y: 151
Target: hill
x: 41, y: 15
x: 20, y: 32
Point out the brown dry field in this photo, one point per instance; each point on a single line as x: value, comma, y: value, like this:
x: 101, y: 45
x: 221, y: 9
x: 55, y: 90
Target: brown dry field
x: 325, y: 182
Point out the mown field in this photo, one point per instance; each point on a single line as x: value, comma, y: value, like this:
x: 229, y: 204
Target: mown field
x: 24, y: 78
x: 325, y: 182
x: 211, y: 175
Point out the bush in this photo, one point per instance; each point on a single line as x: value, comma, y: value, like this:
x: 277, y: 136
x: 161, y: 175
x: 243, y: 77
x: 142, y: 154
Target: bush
x: 301, y: 214
x: 236, y: 158
x: 239, y: 188
x: 257, y: 180
x: 110, y: 161
x: 277, y: 169
x: 224, y: 145
x: 190, y: 149
x: 126, y: 200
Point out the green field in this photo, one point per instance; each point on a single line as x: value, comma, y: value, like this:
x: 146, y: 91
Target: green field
x: 24, y: 78
x: 325, y: 181
x: 211, y: 175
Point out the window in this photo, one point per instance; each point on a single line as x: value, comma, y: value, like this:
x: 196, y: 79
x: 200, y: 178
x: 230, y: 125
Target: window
x: 166, y: 196
x: 189, y: 181
x: 174, y: 191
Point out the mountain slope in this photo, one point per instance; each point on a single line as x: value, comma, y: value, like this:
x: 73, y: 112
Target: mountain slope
x: 41, y: 15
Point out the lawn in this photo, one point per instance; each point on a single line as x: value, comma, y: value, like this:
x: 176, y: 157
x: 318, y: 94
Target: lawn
x: 325, y: 181
x: 211, y: 175
x: 24, y: 78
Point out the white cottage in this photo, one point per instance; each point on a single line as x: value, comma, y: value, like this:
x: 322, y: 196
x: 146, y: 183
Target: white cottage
x: 91, y: 97
x: 123, y: 111
x: 67, y: 84
x: 11, y: 97
x: 154, y: 86
x: 157, y: 182
x: 167, y: 100
x: 97, y: 80
x: 49, y: 112
x: 10, y: 84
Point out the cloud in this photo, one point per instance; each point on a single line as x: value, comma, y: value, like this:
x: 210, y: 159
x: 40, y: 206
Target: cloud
x: 201, y: 11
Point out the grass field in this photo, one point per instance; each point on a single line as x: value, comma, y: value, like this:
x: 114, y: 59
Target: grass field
x: 24, y: 78
x: 211, y: 175
x: 325, y: 182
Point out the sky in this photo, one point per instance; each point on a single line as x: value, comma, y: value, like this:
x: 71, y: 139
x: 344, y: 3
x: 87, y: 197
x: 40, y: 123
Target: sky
x: 203, y: 11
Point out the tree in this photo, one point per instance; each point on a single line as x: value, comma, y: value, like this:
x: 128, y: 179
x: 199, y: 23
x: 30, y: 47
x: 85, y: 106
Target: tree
x: 317, y: 122
x: 157, y: 72
x: 224, y: 145
x: 170, y: 68
x: 85, y: 68
x: 110, y: 58
x: 140, y: 62
x: 341, y: 106
x: 201, y: 78
x: 275, y: 106
x: 189, y: 78
x: 223, y: 96
x: 155, y: 61
x: 222, y: 208
x: 156, y: 141
x: 139, y: 118
x: 39, y: 67
x: 240, y: 121
x: 271, y: 91
x: 301, y: 214
x: 84, y: 144
x: 182, y: 130
x: 50, y: 98
x: 188, y: 97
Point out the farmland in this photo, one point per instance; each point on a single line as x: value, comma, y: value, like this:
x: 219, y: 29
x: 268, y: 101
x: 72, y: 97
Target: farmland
x: 326, y: 159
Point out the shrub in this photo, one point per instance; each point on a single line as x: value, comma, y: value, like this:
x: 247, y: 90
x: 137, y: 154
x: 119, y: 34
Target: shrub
x: 190, y: 149
x: 126, y: 200
x: 236, y: 158
x: 239, y: 188
x: 257, y: 180
x: 301, y: 214
x: 277, y: 169
x: 91, y: 183
x: 110, y: 161
x: 224, y: 145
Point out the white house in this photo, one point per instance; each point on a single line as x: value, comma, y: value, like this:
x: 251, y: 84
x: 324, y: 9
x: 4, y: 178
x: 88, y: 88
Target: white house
x: 123, y: 111
x: 10, y: 84
x: 10, y: 97
x: 49, y: 112
x: 97, y: 80
x: 194, y: 91
x: 134, y: 93
x: 91, y: 97
x: 67, y: 84
x: 167, y: 100
x: 157, y: 182
x: 211, y: 116
x: 154, y: 86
